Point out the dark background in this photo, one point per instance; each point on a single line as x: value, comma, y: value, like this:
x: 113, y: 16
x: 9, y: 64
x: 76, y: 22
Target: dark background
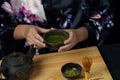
x: 114, y: 36
x: 110, y: 49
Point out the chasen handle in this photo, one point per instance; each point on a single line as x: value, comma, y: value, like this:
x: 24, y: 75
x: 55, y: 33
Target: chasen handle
x: 87, y: 75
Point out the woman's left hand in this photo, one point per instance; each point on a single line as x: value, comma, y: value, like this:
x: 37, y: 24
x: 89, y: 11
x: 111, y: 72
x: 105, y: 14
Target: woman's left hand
x: 75, y: 36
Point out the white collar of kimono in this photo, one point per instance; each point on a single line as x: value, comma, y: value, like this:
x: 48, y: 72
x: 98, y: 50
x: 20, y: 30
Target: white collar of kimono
x: 30, y: 7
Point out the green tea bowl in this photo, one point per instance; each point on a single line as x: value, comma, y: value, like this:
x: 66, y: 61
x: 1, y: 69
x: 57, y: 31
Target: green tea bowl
x: 55, y: 38
x: 71, y: 70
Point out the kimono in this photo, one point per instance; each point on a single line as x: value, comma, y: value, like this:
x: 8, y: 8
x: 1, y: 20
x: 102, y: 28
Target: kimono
x: 95, y: 15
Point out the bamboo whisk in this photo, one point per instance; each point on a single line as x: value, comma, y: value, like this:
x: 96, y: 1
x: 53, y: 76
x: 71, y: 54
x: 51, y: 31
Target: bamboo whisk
x: 87, y: 63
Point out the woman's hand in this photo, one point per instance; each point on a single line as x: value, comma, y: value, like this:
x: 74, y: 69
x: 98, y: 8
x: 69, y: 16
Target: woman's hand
x: 32, y: 35
x: 75, y: 36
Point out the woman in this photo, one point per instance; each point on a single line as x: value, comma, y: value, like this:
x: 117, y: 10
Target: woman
x: 83, y: 19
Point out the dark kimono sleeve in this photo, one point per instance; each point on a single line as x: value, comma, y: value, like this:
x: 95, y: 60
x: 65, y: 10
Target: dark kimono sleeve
x: 96, y: 16
x: 8, y: 43
x: 7, y: 26
x: 98, y: 19
x: 81, y: 20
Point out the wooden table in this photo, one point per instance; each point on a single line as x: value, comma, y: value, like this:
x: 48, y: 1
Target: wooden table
x: 48, y: 66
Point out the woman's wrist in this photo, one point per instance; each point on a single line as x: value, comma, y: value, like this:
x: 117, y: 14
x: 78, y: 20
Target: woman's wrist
x: 81, y: 33
x: 20, y: 31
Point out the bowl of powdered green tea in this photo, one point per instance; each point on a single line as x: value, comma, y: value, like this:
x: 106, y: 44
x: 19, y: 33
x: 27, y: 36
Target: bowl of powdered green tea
x: 55, y: 38
x: 71, y: 70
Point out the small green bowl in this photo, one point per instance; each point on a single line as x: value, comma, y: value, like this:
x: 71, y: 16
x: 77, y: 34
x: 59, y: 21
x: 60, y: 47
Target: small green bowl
x: 55, y: 38
x: 71, y: 70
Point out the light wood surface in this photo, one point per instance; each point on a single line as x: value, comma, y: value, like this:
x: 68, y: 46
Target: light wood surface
x: 48, y: 66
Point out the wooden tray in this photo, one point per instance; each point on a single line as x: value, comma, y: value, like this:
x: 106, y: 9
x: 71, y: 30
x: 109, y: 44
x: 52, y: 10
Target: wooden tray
x: 48, y: 66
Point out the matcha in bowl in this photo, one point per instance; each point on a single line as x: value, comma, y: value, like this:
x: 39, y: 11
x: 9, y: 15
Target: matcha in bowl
x: 55, y: 38
x: 71, y: 70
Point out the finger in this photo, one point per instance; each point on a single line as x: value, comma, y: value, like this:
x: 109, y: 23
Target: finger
x: 69, y: 39
x: 42, y: 30
x: 36, y: 42
x: 52, y: 28
x: 37, y: 36
x: 34, y: 45
x: 29, y: 43
x: 39, y: 44
x: 65, y: 48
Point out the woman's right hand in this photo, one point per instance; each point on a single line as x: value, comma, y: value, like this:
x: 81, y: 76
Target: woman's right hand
x: 32, y: 35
